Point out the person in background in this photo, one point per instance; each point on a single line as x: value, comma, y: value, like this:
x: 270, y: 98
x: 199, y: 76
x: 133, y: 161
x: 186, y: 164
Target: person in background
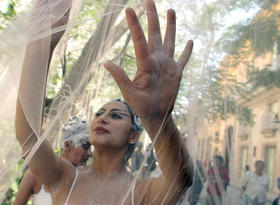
x: 151, y: 161
x: 137, y: 157
x: 255, y: 185
x: 75, y: 148
x: 277, y: 200
x: 197, y: 185
x: 218, y: 180
x: 150, y: 164
x: 247, y: 169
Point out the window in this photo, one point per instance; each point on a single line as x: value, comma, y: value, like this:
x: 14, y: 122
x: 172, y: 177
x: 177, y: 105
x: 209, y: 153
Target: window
x: 275, y: 57
x: 243, y: 160
x: 254, y: 151
x: 273, y: 108
x: 270, y: 160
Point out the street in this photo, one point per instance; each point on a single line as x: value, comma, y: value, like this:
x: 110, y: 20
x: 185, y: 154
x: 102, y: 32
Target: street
x: 232, y: 197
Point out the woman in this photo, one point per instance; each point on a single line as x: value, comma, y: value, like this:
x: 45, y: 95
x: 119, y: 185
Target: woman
x: 151, y: 95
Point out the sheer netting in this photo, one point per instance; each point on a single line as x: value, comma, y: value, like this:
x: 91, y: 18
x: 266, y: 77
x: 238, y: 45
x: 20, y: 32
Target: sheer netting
x: 226, y: 111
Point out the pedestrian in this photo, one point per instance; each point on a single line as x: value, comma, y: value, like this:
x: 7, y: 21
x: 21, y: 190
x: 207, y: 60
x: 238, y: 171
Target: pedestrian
x: 247, y: 169
x: 151, y: 161
x: 255, y: 185
x: 137, y: 157
x: 197, y: 185
x: 218, y: 180
x: 277, y: 200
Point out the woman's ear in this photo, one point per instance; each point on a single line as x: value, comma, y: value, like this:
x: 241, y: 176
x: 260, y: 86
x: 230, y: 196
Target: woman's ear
x: 133, y: 138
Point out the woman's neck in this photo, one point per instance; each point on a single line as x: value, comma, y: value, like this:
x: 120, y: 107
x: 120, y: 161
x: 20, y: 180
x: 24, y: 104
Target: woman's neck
x: 108, y: 165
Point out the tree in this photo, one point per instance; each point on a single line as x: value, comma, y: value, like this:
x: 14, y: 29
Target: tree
x: 211, y: 84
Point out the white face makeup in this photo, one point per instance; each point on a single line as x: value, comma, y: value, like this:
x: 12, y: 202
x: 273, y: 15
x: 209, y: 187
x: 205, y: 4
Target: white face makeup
x: 80, y: 154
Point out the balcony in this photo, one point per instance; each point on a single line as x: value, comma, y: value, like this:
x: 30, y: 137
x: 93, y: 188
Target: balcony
x: 269, y: 124
x: 243, y: 132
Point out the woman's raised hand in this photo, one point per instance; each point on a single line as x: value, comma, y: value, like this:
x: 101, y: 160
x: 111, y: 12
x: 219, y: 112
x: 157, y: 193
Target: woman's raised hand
x: 153, y: 91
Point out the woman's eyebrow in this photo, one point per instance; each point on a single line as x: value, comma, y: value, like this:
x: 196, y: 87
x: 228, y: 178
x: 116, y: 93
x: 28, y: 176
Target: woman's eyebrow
x: 101, y: 109
x: 118, y: 110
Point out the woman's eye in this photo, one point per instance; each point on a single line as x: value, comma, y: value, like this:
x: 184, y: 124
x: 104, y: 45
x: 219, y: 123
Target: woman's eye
x: 98, y: 114
x: 115, y: 116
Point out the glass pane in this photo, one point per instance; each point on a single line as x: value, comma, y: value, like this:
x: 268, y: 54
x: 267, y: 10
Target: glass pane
x: 243, y: 160
x: 270, y: 157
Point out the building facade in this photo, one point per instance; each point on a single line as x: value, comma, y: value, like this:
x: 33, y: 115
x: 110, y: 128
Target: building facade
x: 241, y: 143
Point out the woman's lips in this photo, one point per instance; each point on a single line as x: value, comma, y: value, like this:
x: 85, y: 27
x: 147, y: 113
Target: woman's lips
x: 100, y: 130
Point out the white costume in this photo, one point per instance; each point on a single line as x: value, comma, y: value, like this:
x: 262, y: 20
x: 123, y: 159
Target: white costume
x: 42, y: 197
x: 256, y: 186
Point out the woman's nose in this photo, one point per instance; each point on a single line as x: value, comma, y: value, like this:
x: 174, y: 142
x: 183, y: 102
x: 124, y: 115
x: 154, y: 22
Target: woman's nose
x: 103, y: 118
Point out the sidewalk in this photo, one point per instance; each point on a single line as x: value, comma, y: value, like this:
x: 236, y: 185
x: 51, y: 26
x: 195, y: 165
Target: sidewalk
x: 232, y: 197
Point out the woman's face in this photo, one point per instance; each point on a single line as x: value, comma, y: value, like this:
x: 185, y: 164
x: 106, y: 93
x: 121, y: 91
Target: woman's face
x: 111, y: 126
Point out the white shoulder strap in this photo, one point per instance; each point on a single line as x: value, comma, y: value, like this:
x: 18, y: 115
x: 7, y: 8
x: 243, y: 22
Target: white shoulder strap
x: 72, y: 187
x: 132, y: 192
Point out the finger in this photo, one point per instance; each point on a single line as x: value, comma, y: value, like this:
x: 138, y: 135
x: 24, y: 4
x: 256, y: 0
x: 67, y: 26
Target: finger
x: 154, y: 36
x: 184, y: 58
x: 169, y: 39
x: 138, y: 37
x: 124, y: 83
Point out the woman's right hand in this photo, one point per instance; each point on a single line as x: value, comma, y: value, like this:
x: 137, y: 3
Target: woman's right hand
x: 153, y: 91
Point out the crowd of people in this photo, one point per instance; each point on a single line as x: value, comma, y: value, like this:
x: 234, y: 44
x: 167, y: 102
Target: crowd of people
x: 215, y: 179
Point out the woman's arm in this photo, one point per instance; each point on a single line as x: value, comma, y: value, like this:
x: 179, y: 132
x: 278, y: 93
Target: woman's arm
x: 26, y: 189
x: 244, y: 183
x: 152, y: 94
x: 45, y: 165
x: 176, y: 166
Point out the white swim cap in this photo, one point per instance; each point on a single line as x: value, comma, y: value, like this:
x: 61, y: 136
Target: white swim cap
x: 75, y: 131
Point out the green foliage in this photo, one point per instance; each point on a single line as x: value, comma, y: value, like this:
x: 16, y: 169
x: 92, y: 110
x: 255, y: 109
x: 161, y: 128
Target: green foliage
x: 245, y: 115
x: 10, y: 194
x: 223, y: 94
x: 264, y: 78
x: 227, y: 106
x: 215, y: 89
x: 8, y: 14
x: 125, y: 58
x: 91, y: 11
x: 267, y: 33
x: 262, y: 32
